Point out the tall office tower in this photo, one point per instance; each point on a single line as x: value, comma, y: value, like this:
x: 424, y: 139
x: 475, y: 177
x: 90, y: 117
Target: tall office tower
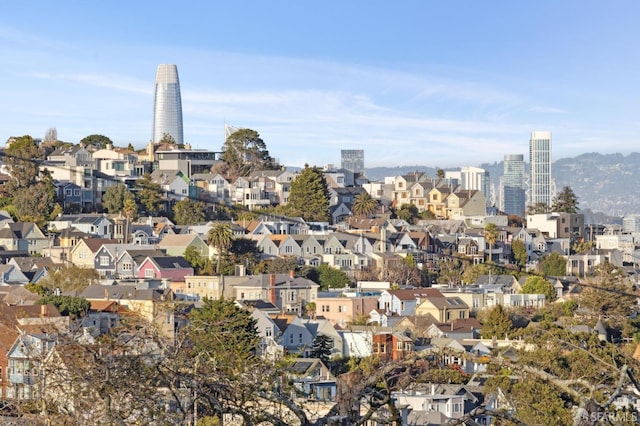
x: 513, y: 190
x: 167, y: 105
x: 352, y: 160
x: 469, y: 177
x: 540, y: 183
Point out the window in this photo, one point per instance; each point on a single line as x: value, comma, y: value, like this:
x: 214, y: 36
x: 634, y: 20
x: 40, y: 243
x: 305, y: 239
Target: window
x: 104, y: 260
x: 127, y: 266
x: 300, y: 338
x: 268, y: 332
x: 149, y: 273
x: 67, y: 192
x: 76, y: 192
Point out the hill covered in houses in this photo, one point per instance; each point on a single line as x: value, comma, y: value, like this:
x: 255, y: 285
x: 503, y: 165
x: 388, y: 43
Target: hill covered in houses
x: 604, y: 183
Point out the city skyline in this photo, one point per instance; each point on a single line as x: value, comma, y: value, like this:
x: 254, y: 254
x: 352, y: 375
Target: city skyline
x: 421, y: 83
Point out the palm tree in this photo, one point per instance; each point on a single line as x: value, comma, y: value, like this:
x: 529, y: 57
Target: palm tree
x: 491, y: 235
x: 130, y: 210
x: 220, y: 236
x: 364, y: 205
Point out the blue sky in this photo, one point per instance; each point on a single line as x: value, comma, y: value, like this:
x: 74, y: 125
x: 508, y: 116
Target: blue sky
x: 433, y: 83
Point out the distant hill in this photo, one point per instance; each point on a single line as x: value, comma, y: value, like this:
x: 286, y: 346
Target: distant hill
x: 607, y: 183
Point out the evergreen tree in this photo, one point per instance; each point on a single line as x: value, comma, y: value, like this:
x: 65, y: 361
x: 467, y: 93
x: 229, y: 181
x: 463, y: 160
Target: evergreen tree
x: 99, y: 141
x: 21, y: 161
x: 115, y: 196
x: 553, y: 265
x: 74, y: 307
x: 497, y: 323
x: 408, y: 212
x: 224, y: 333
x: 244, y: 152
x: 608, y: 293
x: 188, y: 212
x: 520, y: 255
x: 149, y: 193
x: 322, y: 345
x: 565, y: 202
x: 309, y: 196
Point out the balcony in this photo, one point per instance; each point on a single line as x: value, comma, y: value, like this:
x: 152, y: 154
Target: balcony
x: 23, y: 379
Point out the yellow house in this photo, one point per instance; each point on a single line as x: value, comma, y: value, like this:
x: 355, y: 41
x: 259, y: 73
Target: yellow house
x: 444, y: 309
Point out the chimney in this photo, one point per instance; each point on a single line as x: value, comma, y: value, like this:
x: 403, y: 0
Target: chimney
x: 106, y: 294
x: 43, y: 310
x: 272, y: 289
x: 292, y: 274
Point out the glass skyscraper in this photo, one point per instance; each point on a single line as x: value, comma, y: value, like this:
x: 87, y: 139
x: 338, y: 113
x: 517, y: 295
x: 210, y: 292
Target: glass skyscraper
x: 513, y: 191
x: 167, y: 105
x: 540, y: 168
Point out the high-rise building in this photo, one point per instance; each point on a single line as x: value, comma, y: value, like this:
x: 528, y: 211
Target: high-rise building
x: 512, y: 186
x: 352, y: 160
x: 167, y: 105
x: 540, y: 183
x: 473, y: 178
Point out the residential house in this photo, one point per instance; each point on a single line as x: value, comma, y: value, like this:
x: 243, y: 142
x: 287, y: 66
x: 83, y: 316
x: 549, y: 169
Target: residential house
x: 405, y: 302
x: 202, y: 286
x: 444, y: 309
x: 279, y: 246
x: 130, y: 259
x: 175, y: 268
x: 288, y: 292
x: 296, y: 337
x: 340, y: 310
x: 83, y: 253
x: 24, y: 362
x: 107, y: 256
x: 97, y: 225
x: 391, y: 346
x: 177, y: 244
x: 313, y: 379
x: 320, y: 326
x: 154, y: 305
x: 12, y: 275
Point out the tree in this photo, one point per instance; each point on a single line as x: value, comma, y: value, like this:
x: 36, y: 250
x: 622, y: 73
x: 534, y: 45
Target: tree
x: 244, y: 152
x: 491, y: 233
x: 224, y: 332
x: 608, y: 292
x: 220, y: 236
x: 329, y: 277
x: 198, y: 262
x: 408, y: 212
x: 50, y: 137
x: 321, y: 347
x: 364, y: 205
x: 149, y: 193
x: 188, y: 212
x: 497, y: 323
x: 115, y: 196
x: 538, y: 208
x: 520, y: 255
x: 440, y: 173
x: 130, y: 209
x: 36, y: 202
x: 21, y: 160
x: 553, y: 265
x: 167, y: 139
x: 71, y: 278
x: 74, y: 307
x: 98, y: 141
x: 309, y: 196
x: 539, y: 285
x: 565, y: 201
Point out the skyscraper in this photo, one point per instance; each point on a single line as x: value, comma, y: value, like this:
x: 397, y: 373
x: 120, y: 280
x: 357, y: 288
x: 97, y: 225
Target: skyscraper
x: 540, y: 168
x: 513, y: 190
x: 167, y: 105
x: 352, y: 160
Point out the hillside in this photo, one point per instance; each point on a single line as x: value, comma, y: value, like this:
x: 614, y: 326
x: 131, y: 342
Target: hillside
x: 606, y: 183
